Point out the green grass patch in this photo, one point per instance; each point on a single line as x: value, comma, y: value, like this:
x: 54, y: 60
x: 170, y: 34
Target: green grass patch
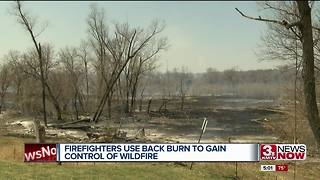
x: 17, y: 170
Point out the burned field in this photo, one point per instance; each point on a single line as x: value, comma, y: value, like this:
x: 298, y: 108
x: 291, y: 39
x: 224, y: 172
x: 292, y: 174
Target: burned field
x: 235, y: 118
x: 228, y: 118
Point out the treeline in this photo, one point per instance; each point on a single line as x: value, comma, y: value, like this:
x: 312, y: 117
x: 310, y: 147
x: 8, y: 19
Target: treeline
x: 82, y: 79
x: 261, y: 84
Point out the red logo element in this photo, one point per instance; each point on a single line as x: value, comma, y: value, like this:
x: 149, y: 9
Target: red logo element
x: 282, y: 167
x: 40, y: 152
x: 268, y: 152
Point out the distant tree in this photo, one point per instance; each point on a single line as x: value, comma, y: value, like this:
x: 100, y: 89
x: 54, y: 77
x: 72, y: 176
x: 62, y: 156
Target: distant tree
x: 68, y: 58
x: 17, y: 77
x: 184, y: 80
x: 231, y: 77
x: 210, y: 75
x: 5, y: 79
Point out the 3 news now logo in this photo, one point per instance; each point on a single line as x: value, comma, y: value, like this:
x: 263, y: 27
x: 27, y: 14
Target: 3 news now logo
x: 40, y: 152
x: 283, y: 152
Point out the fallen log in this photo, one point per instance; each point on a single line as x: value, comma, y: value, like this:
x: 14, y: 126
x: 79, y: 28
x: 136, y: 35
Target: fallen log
x: 74, y: 126
x: 72, y: 122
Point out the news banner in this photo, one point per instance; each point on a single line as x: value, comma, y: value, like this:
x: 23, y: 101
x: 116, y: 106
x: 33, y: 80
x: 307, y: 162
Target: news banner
x: 99, y: 152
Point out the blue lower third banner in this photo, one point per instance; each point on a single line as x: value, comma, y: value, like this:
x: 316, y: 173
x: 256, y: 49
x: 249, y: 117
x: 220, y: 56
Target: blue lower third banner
x: 157, y: 152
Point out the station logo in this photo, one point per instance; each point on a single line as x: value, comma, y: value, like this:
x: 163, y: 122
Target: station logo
x: 283, y: 152
x: 40, y: 153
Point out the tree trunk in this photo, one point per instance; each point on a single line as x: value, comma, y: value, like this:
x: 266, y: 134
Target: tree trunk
x: 43, y: 86
x: 44, y: 104
x: 149, y: 105
x: 182, y: 101
x: 308, y: 68
x: 75, y: 105
x: 127, y: 108
x: 181, y: 93
x: 87, y: 79
x: 18, y: 97
x: 140, y: 103
x: 54, y: 102
x: 134, y: 92
x: 2, y: 103
x: 86, y: 97
x: 133, y: 100
x: 141, y: 98
x: 110, y: 104
x: 81, y: 100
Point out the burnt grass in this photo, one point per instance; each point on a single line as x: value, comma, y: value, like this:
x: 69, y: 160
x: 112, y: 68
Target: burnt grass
x: 226, y: 117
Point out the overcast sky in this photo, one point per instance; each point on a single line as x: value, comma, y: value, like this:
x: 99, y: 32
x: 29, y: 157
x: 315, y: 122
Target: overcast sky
x: 201, y: 34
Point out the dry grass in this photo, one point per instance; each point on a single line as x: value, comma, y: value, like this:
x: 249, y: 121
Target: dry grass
x: 284, y: 128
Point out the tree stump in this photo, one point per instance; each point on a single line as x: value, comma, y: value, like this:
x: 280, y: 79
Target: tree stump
x: 39, y: 131
x: 140, y: 133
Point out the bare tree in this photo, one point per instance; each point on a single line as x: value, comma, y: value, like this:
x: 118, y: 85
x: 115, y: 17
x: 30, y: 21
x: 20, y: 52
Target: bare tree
x: 120, y: 48
x: 301, y: 26
x: 143, y: 63
x: 83, y: 53
x: 69, y: 61
x: 166, y: 88
x: 17, y: 76
x: 29, y: 65
x: 184, y: 81
x: 29, y: 23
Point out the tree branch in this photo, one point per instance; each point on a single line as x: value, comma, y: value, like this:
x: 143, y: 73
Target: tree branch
x: 283, y: 23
